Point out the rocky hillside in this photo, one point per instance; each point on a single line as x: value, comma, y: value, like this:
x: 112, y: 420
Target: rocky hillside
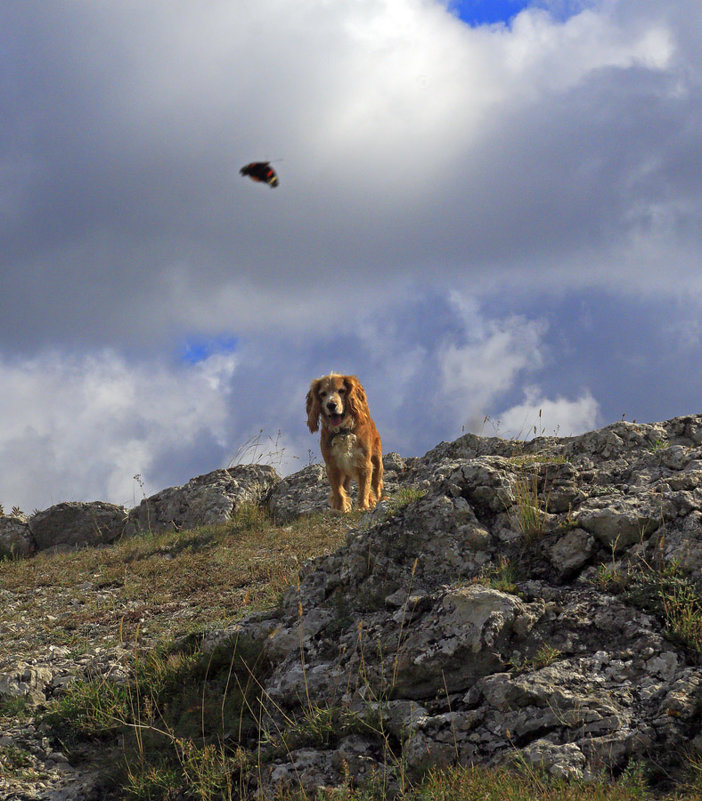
x: 534, y: 602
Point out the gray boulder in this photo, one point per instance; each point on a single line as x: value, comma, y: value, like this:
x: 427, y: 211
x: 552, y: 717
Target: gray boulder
x: 303, y: 493
x: 205, y: 500
x: 70, y: 525
x: 571, y: 552
x: 15, y: 536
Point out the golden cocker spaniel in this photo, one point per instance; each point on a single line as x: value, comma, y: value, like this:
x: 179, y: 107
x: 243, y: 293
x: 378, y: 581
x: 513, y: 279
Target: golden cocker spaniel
x: 350, y: 441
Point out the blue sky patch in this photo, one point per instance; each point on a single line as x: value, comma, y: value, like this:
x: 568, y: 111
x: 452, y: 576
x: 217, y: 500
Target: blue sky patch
x: 197, y: 349
x: 487, y: 12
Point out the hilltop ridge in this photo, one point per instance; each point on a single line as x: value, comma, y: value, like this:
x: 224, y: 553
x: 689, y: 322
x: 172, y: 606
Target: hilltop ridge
x: 533, y: 603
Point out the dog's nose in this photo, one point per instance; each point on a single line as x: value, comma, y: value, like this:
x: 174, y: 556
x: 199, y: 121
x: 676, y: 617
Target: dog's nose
x: 331, y: 406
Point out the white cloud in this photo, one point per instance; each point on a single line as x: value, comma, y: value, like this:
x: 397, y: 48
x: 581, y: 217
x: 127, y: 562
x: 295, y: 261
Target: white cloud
x: 491, y: 360
x: 80, y: 428
x: 540, y: 416
x: 548, y: 55
x: 488, y: 363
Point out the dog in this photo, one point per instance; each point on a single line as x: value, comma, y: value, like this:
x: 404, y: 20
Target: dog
x: 350, y: 442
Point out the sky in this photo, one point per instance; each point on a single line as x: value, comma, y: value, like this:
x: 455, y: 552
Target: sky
x: 490, y: 212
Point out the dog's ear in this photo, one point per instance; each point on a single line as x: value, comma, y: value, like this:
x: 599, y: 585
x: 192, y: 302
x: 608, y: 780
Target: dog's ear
x: 356, y: 399
x: 313, y: 407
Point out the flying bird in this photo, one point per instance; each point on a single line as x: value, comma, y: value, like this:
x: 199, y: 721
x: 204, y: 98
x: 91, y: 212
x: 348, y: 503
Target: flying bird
x: 260, y: 171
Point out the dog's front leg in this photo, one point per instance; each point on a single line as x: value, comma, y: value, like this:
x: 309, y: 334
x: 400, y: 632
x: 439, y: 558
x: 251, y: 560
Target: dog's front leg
x: 338, y: 497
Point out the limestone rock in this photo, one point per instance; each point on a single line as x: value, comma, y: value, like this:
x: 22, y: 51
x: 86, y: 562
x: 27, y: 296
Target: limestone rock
x: 618, y: 522
x: 468, y: 634
x: 571, y: 551
x: 562, y: 761
x: 26, y: 681
x: 15, y: 536
x: 204, y: 500
x: 303, y: 493
x: 70, y: 525
x: 307, y: 491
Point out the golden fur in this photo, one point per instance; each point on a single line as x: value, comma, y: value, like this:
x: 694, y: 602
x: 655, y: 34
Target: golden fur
x: 350, y: 441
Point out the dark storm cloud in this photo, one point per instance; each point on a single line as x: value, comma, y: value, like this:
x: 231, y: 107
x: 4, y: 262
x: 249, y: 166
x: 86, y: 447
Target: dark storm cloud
x: 126, y: 125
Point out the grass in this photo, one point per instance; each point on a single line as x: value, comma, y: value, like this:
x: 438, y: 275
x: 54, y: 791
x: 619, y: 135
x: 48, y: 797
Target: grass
x: 502, y: 575
x: 498, y: 784
x: 156, y: 585
x: 401, y: 499
x: 545, y: 656
x: 530, y: 507
x: 179, y: 718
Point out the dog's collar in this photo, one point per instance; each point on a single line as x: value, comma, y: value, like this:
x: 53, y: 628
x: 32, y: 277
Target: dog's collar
x: 339, y: 432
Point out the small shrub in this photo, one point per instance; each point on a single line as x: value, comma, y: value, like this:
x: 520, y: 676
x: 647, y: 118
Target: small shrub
x: 502, y: 576
x: 657, y: 445
x: 610, y: 578
x: 546, y: 655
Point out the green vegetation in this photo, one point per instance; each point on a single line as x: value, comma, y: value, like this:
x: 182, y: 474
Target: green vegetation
x: 481, y: 784
x: 663, y: 591
x: 501, y: 784
x: 404, y: 497
x: 502, y: 576
x: 673, y: 598
x: 401, y: 499
x: 545, y: 656
x: 526, y: 459
x: 180, y: 717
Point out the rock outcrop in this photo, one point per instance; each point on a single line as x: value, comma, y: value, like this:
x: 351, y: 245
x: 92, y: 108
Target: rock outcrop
x: 478, y: 623
x: 68, y: 525
x: 205, y: 500
x: 61, y: 527
x: 307, y: 491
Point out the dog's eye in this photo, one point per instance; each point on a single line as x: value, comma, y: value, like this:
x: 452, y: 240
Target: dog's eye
x: 342, y: 391
x: 322, y: 394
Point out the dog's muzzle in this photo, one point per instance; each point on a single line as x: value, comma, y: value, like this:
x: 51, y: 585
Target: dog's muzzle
x: 333, y: 416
